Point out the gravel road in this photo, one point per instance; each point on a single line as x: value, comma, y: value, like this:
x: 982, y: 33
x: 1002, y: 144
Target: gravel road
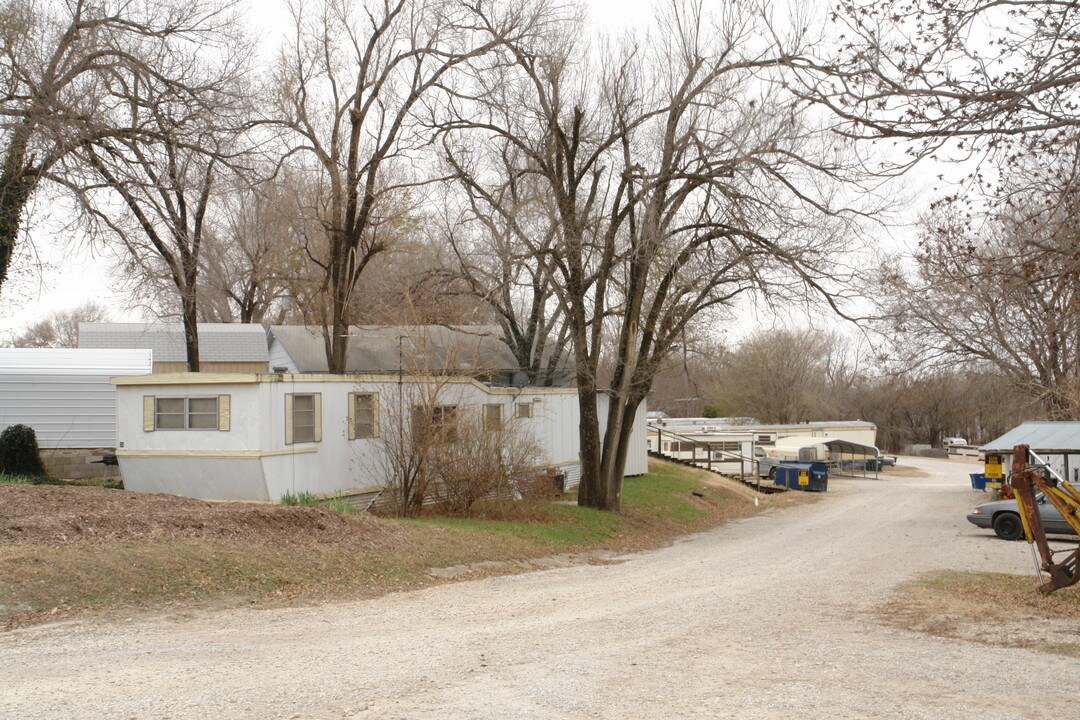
x: 769, y: 617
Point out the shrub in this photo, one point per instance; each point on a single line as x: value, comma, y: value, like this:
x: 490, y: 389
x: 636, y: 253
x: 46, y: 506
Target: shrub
x: 19, y: 453
x: 479, y: 463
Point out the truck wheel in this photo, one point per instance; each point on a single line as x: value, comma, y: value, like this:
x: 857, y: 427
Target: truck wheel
x: 1008, y: 526
x: 772, y: 474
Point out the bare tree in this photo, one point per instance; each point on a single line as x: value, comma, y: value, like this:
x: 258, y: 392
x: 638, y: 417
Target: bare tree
x: 417, y: 425
x: 781, y: 376
x: 61, y: 328
x: 60, y: 63
x: 499, y: 240
x: 681, y: 175
x: 351, y: 84
x: 164, y: 173
x: 1002, y: 292
x: 251, y: 257
x: 982, y: 72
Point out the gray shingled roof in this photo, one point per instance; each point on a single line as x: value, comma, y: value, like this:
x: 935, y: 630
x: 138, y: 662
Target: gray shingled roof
x: 1046, y: 436
x: 424, y: 348
x: 218, y: 342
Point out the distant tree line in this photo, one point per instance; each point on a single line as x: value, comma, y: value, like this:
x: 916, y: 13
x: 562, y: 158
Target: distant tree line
x: 795, y: 376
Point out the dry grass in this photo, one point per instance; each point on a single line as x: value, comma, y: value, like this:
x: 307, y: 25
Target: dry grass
x: 71, y: 551
x: 904, y: 471
x: 990, y: 608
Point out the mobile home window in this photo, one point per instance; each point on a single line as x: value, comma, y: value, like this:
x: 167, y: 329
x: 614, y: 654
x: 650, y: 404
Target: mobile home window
x: 186, y: 413
x: 303, y: 418
x: 436, y: 419
x: 493, y: 417
x: 365, y: 423
x: 202, y: 413
x: 523, y: 410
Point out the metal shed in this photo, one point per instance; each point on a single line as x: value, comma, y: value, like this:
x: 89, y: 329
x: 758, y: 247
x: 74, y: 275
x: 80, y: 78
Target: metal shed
x: 842, y: 456
x: 65, y: 395
x: 1058, y: 442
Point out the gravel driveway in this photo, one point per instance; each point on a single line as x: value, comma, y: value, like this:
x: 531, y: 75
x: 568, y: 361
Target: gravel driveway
x: 770, y: 617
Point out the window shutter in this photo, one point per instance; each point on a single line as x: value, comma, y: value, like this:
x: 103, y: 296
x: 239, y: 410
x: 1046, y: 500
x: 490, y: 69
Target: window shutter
x: 224, y: 413
x: 148, y: 413
x: 317, y: 403
x: 352, y: 417
x: 375, y: 414
x: 288, y: 419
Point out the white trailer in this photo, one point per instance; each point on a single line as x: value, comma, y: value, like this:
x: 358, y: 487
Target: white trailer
x: 260, y: 436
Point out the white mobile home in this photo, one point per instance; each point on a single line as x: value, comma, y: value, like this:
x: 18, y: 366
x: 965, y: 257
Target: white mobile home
x: 260, y: 436
x: 66, y: 396
x: 766, y: 434
x: 736, y: 447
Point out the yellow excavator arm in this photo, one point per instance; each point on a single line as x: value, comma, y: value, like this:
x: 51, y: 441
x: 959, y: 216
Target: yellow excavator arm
x: 1031, y: 475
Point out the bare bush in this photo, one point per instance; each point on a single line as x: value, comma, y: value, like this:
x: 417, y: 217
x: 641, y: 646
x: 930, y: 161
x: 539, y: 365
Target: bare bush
x: 484, y: 462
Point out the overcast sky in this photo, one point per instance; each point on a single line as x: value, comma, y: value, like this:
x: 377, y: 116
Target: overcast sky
x: 68, y: 273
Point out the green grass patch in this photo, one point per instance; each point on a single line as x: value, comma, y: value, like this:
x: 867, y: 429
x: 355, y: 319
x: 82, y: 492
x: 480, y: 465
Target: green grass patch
x: 341, y: 505
x: 564, y: 528
x: 112, y: 483
x: 667, y: 493
x: 300, y: 498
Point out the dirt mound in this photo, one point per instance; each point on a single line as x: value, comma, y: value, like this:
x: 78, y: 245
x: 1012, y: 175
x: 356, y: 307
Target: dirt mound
x: 48, y: 515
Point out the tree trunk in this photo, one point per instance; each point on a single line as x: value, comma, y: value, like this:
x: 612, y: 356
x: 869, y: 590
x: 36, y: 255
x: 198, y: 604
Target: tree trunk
x: 16, y: 184
x: 191, y: 330
x: 609, y: 481
x: 593, y: 490
x: 339, y: 325
x: 339, y: 343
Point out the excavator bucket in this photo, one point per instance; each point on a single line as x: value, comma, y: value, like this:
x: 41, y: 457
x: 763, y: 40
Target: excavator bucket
x: 1029, y: 476
x: 1062, y: 574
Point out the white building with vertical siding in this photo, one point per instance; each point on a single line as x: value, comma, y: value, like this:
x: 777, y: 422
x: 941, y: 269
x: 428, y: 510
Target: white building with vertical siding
x: 66, y: 396
x: 260, y: 436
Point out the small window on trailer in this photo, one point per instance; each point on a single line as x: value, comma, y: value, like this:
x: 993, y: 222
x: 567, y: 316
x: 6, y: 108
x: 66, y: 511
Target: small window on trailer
x: 523, y: 410
x: 364, y: 421
x: 303, y: 418
x: 493, y: 417
x: 440, y: 419
x: 186, y: 413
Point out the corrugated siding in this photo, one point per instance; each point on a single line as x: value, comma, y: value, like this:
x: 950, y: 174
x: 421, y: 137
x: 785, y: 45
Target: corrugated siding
x: 637, y: 455
x: 1048, y: 435
x: 65, y: 395
x: 572, y: 475
x: 279, y: 357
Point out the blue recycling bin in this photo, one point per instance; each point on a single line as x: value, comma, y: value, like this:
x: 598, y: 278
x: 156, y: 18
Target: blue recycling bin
x: 806, y: 476
x: 978, y: 481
